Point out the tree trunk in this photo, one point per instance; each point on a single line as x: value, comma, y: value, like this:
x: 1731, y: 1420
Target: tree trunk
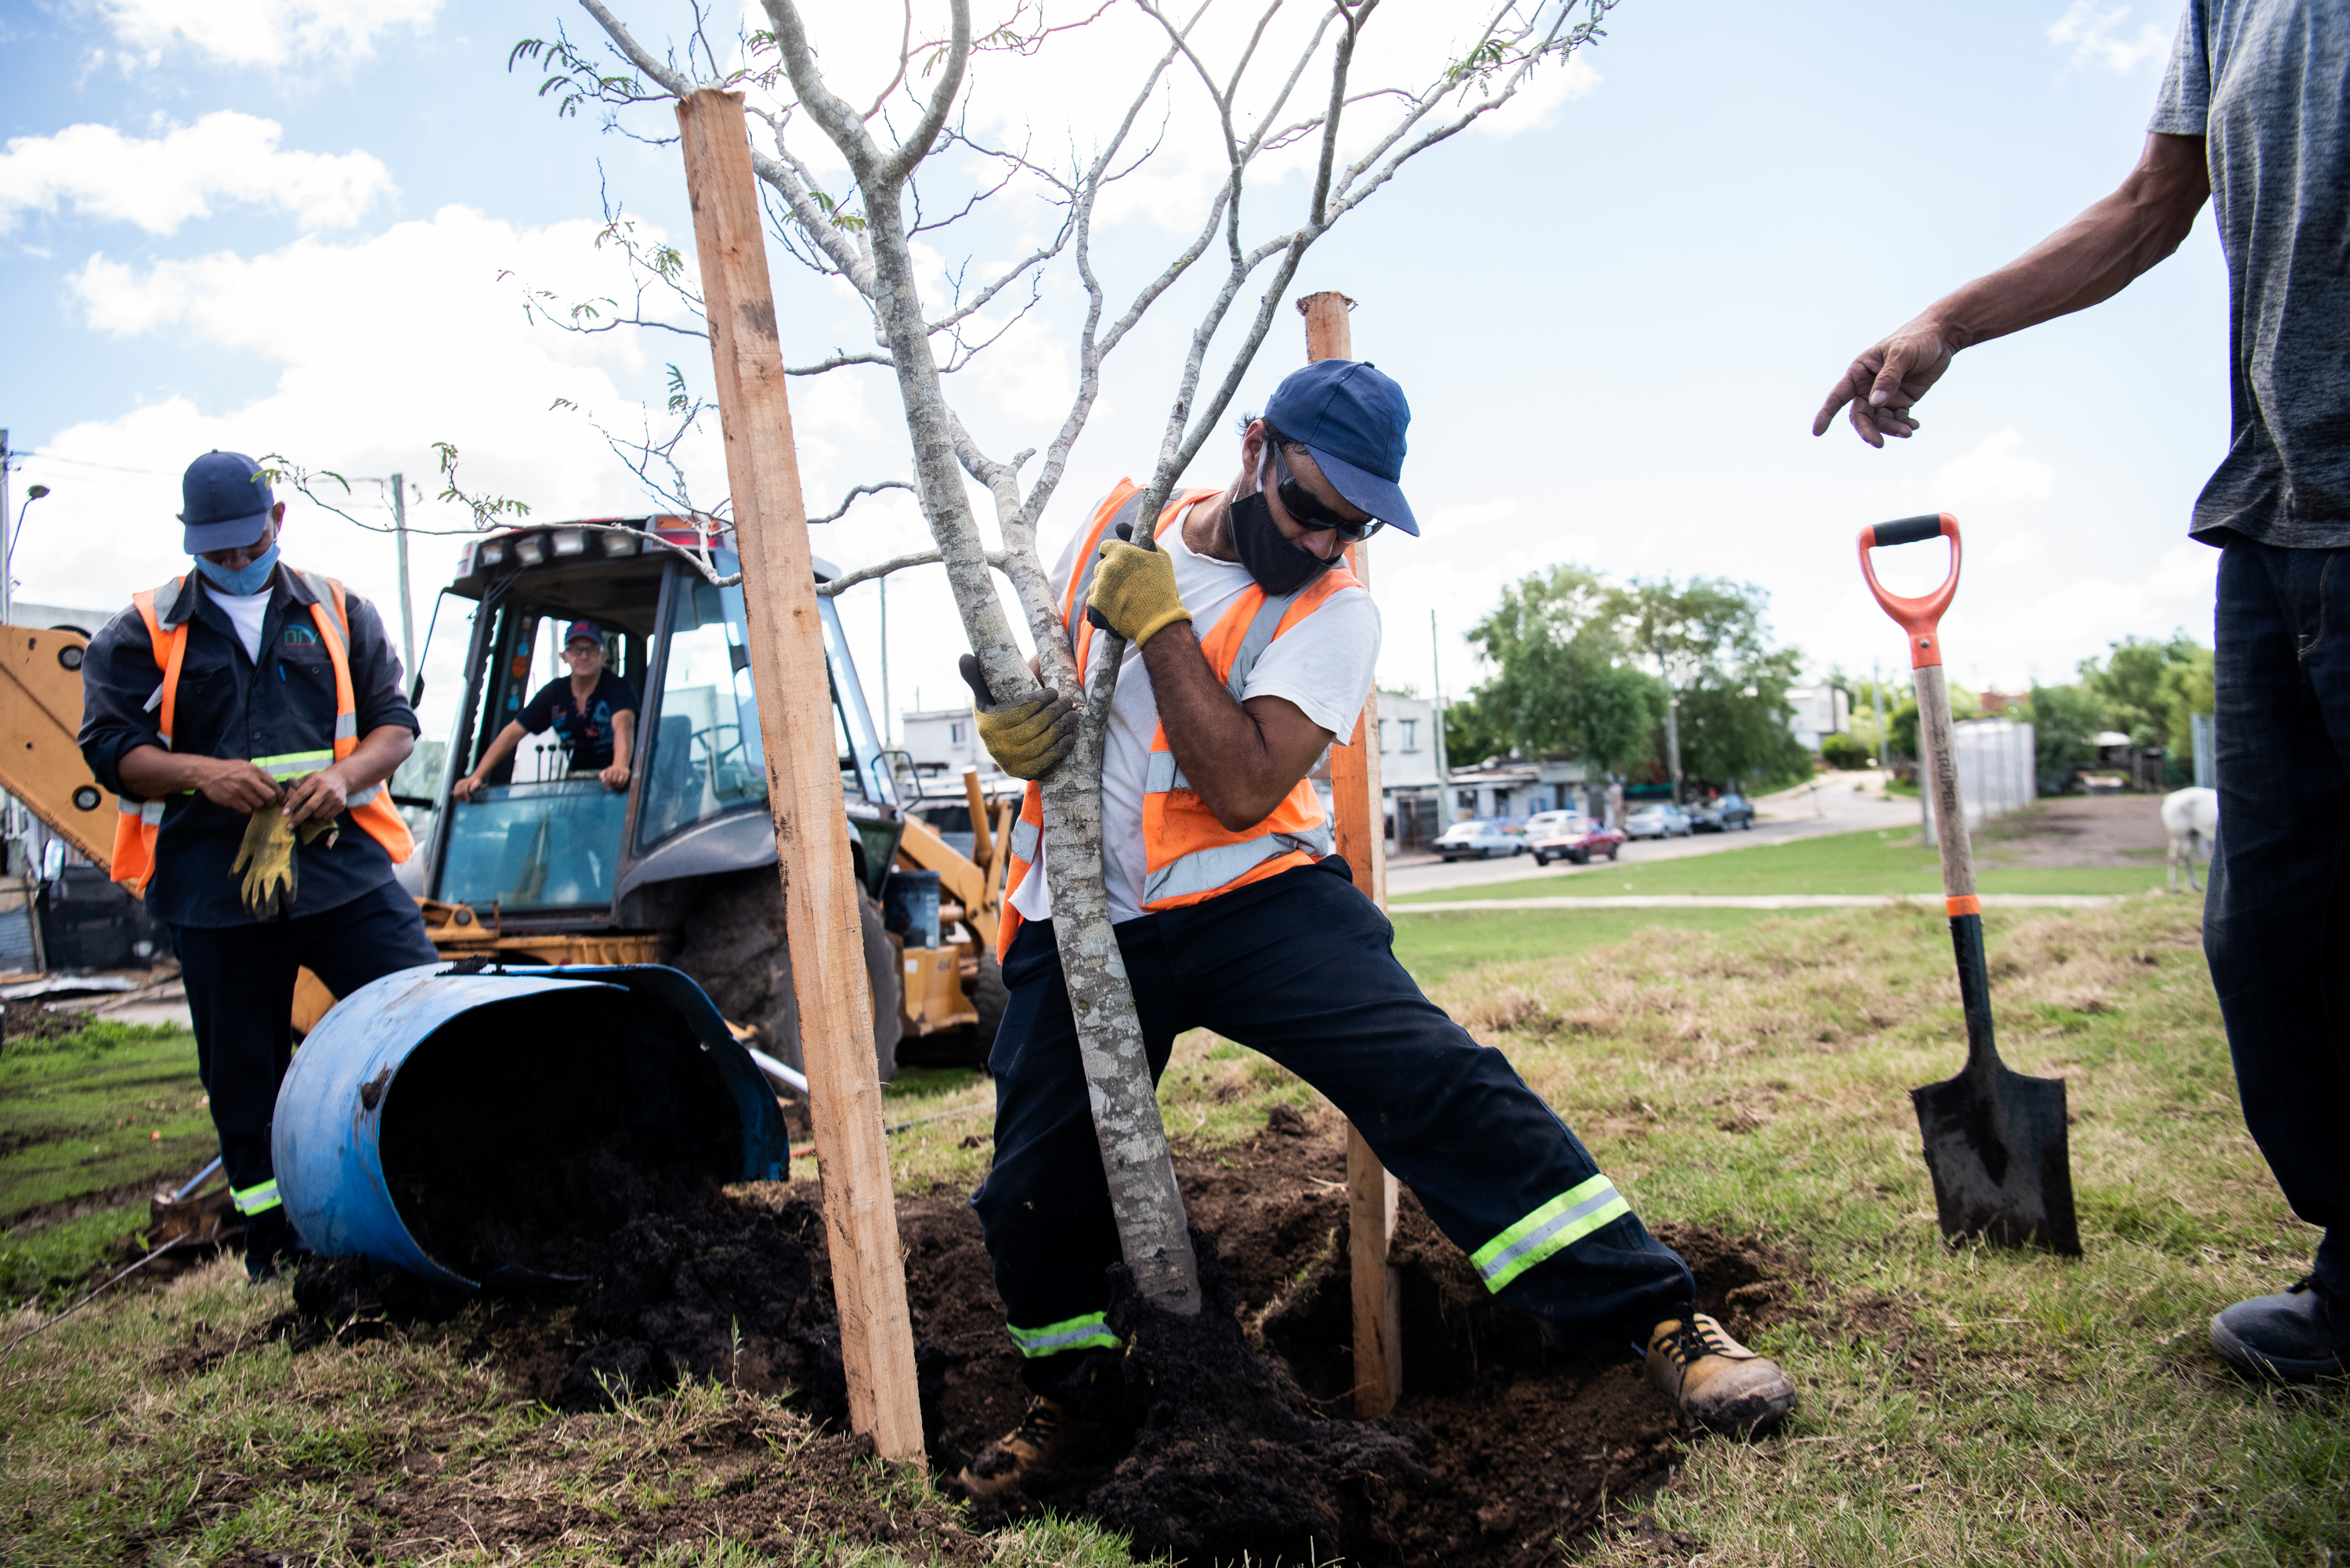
x: 1154, y: 1235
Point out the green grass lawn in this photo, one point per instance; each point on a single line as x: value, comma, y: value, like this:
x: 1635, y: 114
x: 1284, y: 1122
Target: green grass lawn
x: 1887, y: 860
x: 79, y: 1115
x: 1748, y: 1072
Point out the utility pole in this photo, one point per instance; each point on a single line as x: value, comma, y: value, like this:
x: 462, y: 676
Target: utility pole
x: 1672, y: 725
x: 889, y: 713
x: 7, y: 529
x: 1435, y: 685
x: 399, y: 542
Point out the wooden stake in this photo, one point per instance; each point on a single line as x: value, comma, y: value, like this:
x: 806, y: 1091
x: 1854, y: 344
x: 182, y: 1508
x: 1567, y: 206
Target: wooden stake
x: 1360, y: 825
x: 796, y: 724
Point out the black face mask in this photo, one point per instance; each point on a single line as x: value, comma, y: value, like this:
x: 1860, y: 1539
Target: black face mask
x: 1279, y: 566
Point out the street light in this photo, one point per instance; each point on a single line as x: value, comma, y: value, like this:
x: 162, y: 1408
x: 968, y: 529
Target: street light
x: 8, y: 564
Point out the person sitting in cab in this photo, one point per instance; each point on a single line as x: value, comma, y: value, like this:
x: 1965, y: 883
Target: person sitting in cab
x: 592, y: 710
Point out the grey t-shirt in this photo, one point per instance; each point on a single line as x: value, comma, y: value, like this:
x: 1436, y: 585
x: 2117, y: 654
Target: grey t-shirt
x: 2266, y: 82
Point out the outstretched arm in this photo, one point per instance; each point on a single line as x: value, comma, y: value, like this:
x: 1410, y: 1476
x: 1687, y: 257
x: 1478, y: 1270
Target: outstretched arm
x: 500, y: 750
x: 2087, y: 261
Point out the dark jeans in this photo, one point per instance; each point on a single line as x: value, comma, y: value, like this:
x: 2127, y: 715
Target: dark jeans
x: 240, y: 983
x: 2276, y: 922
x: 1299, y: 967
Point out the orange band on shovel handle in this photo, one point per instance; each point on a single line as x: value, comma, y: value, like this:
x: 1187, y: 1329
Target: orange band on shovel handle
x: 1920, y: 618
x: 1963, y: 904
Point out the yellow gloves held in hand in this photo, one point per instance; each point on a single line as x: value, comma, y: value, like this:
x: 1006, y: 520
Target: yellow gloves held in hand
x: 1134, y: 592
x: 1027, y: 738
x: 266, y: 858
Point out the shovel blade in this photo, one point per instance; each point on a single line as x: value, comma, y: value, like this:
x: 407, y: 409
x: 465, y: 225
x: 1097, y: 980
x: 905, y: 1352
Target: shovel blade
x: 1996, y: 1144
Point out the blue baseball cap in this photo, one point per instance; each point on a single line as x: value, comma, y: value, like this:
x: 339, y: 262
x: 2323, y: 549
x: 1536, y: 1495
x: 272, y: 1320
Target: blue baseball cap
x: 227, y: 499
x: 583, y: 631
x: 1351, y: 417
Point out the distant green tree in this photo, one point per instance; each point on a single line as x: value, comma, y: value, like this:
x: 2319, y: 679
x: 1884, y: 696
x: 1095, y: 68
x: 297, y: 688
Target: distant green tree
x: 1472, y: 733
x: 1843, y: 751
x: 1565, y: 684
x: 2136, y: 690
x: 2186, y: 688
x: 1707, y: 638
x: 2066, y: 720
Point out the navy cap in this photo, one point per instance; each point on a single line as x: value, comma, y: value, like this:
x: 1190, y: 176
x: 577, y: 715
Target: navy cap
x: 1352, y: 419
x: 583, y: 631
x: 227, y: 501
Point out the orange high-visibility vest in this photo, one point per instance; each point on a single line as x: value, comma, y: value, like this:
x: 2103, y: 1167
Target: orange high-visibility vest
x: 141, y: 822
x: 1189, y: 856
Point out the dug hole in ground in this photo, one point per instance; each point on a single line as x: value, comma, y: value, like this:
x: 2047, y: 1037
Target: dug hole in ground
x: 1230, y: 1433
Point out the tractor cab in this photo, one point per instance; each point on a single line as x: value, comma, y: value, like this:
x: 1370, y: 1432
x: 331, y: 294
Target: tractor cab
x: 542, y: 849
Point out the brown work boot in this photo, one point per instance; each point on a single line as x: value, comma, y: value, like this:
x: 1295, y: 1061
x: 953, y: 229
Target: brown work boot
x: 1047, y: 1438
x: 1717, y: 1382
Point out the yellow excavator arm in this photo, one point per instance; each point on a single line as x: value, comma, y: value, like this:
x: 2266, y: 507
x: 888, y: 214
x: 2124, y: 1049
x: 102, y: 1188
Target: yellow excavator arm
x: 40, y: 714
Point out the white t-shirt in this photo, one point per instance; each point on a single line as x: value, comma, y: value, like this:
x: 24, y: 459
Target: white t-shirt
x: 244, y: 612
x: 1324, y: 664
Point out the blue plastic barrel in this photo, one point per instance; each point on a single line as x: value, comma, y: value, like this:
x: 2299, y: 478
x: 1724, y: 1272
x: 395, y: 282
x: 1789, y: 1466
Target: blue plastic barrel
x: 909, y: 907
x: 473, y: 1048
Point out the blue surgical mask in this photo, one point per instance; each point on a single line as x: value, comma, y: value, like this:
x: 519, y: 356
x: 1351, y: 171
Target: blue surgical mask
x: 252, y: 579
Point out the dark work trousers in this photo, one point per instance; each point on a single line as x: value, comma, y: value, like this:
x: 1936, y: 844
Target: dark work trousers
x: 2276, y: 920
x: 240, y: 983
x: 1300, y: 967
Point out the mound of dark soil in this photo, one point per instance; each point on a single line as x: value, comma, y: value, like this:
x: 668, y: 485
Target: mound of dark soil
x: 1228, y: 1432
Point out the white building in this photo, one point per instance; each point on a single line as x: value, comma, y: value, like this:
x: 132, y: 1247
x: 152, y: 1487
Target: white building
x: 1407, y: 743
x: 943, y: 739
x: 1819, y: 712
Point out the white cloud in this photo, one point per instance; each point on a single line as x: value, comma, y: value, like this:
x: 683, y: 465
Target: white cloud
x: 161, y: 182
x: 1993, y: 474
x: 262, y: 32
x: 2094, y: 32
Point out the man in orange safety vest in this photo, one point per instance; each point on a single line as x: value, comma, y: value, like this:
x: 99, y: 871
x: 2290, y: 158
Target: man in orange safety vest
x: 240, y: 711
x: 1250, y: 647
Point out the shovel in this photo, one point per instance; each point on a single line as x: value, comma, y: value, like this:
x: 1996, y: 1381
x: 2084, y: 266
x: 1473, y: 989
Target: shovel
x: 1995, y: 1139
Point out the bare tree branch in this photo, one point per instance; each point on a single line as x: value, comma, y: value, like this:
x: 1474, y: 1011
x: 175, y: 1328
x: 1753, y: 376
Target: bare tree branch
x: 838, y: 512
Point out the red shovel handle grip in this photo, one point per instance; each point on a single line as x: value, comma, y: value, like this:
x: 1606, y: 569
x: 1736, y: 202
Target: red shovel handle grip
x: 1920, y: 618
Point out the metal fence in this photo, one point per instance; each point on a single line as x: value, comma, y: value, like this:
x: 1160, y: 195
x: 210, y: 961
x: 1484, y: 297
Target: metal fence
x: 1997, y: 773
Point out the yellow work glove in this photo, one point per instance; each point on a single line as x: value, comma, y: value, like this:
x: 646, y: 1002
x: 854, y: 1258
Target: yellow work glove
x: 1134, y: 592
x: 266, y: 858
x: 1027, y: 738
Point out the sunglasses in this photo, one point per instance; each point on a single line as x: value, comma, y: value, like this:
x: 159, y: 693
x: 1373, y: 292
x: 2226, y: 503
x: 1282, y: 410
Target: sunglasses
x: 1308, y: 509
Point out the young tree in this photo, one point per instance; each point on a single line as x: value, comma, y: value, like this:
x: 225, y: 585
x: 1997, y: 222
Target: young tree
x: 1247, y: 77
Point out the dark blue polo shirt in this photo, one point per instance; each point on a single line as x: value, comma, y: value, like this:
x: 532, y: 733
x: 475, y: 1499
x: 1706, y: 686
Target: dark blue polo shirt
x: 229, y: 706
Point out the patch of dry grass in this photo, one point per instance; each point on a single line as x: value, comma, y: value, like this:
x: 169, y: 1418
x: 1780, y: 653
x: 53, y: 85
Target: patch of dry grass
x: 1960, y: 1405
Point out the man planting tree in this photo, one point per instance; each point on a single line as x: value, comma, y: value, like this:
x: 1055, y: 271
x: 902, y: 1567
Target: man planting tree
x: 1249, y: 646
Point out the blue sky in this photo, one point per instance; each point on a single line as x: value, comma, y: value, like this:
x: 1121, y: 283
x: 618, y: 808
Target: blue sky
x: 305, y: 226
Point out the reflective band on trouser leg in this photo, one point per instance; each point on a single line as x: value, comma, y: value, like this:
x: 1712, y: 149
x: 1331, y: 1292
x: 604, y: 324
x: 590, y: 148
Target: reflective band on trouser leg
x: 254, y: 1199
x: 1027, y: 839
x: 1559, y: 1223
x: 1087, y: 1333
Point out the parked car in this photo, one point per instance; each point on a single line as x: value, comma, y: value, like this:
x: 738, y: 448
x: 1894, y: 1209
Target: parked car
x: 1725, y: 815
x: 1478, y: 841
x: 1661, y: 819
x: 1579, y: 839
x: 1542, y: 824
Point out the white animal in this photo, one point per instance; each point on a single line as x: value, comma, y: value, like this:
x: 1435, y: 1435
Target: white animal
x: 2189, y: 815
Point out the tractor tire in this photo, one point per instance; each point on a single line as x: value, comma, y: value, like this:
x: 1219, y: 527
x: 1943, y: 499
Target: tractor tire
x: 990, y: 996
x: 734, y: 947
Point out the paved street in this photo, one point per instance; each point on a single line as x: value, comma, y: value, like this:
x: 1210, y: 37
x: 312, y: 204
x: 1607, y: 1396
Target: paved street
x: 1832, y: 805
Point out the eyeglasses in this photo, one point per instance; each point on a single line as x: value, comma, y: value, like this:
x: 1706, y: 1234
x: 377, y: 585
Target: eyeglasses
x: 1308, y: 508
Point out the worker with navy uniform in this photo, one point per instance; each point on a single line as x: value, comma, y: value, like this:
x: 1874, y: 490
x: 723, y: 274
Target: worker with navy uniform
x: 248, y: 715
x: 1249, y: 647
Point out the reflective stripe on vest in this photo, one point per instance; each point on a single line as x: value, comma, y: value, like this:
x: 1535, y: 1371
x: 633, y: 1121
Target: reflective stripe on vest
x: 1122, y: 504
x: 139, y: 829
x: 1551, y: 1229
